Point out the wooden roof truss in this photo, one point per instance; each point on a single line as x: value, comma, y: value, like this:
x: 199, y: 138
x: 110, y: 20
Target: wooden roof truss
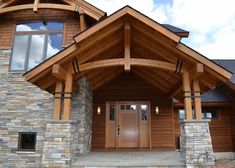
x: 69, y: 5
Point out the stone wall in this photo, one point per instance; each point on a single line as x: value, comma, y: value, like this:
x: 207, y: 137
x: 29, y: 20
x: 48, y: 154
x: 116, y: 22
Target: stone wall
x: 65, y: 140
x: 82, y: 113
x: 23, y: 108
x: 60, y: 144
x: 195, y: 143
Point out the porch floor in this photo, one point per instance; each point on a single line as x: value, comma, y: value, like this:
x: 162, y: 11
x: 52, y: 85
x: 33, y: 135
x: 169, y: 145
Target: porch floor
x: 130, y: 159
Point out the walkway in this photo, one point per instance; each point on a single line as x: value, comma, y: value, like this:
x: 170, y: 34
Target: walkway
x: 130, y: 159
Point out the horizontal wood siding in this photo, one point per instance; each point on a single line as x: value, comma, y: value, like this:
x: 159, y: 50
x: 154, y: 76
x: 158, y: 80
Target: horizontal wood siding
x: 128, y: 87
x: 8, y: 21
x: 233, y: 126
x: 220, y: 129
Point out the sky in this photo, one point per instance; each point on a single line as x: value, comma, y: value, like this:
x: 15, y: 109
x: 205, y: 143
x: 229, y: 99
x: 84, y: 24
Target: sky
x: 211, y: 23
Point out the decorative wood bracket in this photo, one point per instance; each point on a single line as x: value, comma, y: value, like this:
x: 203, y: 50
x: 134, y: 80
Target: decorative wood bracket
x: 59, y: 72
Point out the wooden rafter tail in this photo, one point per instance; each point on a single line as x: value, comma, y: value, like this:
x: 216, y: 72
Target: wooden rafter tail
x: 127, y: 45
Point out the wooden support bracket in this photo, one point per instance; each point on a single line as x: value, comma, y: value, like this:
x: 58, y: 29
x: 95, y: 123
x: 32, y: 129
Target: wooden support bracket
x: 59, y: 72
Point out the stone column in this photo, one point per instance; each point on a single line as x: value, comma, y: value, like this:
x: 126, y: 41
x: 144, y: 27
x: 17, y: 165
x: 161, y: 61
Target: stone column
x: 195, y: 143
x: 60, y: 143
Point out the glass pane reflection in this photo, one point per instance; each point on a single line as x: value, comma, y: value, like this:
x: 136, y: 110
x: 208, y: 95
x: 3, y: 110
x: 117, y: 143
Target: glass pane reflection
x: 36, y: 50
x: 54, y: 44
x: 19, y: 52
x: 40, y: 26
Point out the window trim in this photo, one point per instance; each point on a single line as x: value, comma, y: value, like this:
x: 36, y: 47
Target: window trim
x: 30, y: 33
x: 19, y: 142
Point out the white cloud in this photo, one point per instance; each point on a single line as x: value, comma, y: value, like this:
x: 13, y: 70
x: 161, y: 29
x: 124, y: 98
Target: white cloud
x: 211, y: 22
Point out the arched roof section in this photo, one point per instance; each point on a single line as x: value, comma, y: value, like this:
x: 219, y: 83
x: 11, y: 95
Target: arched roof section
x: 68, y: 5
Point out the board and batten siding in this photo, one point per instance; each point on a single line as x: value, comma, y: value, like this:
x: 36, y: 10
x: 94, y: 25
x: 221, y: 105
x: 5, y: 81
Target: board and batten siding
x: 128, y: 87
x: 221, y: 129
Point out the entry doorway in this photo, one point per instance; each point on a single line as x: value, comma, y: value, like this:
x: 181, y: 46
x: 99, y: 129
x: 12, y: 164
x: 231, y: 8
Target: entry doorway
x: 128, y: 125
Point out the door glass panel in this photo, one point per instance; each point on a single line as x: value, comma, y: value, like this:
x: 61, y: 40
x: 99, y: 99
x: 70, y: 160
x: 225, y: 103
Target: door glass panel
x: 130, y: 107
x: 122, y: 107
x: 144, y: 112
x: 112, y: 112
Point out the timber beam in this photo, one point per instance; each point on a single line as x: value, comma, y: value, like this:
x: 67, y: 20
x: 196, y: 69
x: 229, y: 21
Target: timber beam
x: 59, y: 72
x: 82, y: 19
x: 194, y: 73
x: 35, y: 5
x: 137, y: 62
x: 127, y: 46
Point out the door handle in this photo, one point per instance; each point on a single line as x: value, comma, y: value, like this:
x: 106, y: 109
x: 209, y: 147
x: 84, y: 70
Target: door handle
x: 118, y: 130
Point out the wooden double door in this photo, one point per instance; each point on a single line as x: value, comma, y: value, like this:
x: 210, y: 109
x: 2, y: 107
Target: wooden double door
x: 127, y: 125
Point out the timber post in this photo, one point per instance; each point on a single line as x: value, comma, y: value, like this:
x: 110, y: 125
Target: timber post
x: 187, y: 96
x: 68, y: 91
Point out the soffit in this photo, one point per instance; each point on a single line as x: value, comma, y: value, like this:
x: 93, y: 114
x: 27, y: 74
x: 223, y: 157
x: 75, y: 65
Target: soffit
x: 148, y: 40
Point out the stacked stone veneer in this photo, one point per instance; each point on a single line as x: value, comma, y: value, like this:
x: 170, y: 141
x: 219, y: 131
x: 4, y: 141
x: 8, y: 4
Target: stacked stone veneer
x: 60, y: 146
x: 23, y: 108
x: 65, y: 140
x: 26, y: 108
x: 195, y: 143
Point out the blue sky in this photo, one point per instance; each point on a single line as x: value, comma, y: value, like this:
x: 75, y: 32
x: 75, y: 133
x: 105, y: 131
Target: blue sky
x: 211, y: 23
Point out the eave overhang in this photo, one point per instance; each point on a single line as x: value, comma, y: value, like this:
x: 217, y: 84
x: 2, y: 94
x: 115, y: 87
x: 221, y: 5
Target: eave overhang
x: 149, y: 41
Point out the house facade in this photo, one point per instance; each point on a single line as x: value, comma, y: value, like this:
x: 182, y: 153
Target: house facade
x: 73, y: 80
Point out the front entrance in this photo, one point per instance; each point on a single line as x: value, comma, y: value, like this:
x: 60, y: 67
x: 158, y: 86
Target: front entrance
x: 127, y: 125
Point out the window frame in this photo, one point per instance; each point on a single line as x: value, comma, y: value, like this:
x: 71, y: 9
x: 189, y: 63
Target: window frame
x: 19, y: 148
x: 30, y: 34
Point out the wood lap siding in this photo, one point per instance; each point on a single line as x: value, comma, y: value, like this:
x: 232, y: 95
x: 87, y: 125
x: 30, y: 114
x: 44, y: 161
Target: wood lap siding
x: 8, y: 21
x: 128, y: 87
x: 220, y: 130
x: 233, y: 126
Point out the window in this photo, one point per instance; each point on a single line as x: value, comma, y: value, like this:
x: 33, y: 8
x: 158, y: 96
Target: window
x: 35, y: 42
x: 181, y: 114
x: 144, y: 112
x: 209, y: 113
x: 112, y: 112
x: 27, y: 141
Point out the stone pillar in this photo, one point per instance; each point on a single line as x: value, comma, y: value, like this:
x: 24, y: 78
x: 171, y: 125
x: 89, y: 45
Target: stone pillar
x: 82, y: 113
x: 60, y: 144
x: 195, y: 142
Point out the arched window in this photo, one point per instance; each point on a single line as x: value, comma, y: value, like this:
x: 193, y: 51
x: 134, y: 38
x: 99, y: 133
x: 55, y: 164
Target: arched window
x: 34, y: 42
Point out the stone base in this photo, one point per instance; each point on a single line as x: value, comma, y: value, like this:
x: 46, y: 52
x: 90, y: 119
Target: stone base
x: 60, y: 144
x: 195, y: 142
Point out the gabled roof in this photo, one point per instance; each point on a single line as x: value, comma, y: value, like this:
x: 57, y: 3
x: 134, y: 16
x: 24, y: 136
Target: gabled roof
x: 70, y: 5
x: 229, y: 65
x: 149, y: 40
